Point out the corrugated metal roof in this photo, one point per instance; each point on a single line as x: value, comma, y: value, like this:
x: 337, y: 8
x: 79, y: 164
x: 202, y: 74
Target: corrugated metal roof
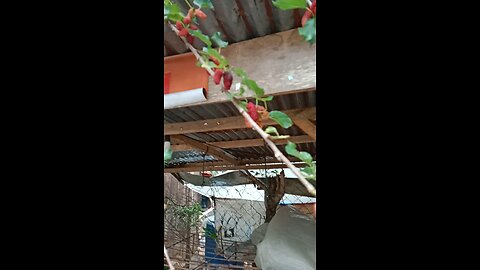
x: 220, y: 110
x: 185, y: 157
x: 236, y: 20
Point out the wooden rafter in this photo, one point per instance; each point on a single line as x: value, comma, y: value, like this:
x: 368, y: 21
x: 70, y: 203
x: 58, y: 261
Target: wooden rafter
x: 302, y: 121
x: 189, y: 168
x: 216, y: 152
x: 245, y: 143
x: 226, y: 123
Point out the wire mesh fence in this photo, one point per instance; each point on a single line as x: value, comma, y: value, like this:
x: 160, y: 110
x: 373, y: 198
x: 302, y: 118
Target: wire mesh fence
x: 210, y: 225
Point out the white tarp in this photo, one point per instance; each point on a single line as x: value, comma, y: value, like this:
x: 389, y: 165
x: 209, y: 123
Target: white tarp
x: 245, y: 192
x: 289, y: 242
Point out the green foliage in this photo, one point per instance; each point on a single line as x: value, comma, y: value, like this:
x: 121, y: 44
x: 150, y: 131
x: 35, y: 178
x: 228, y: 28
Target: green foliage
x: 252, y: 85
x: 274, y: 133
x: 310, y: 172
x: 309, y: 31
x: 201, y: 36
x: 281, y: 118
x: 188, y: 215
x: 171, y: 11
x: 203, y: 4
x: 240, y: 72
x: 209, y: 232
x: 243, y: 105
x: 291, y: 149
x: 272, y: 130
x: 212, y: 52
x: 290, y: 4
x: 217, y: 39
x: 167, y: 155
x: 269, y: 98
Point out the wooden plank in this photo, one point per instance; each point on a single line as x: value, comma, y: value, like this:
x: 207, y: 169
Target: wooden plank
x: 226, y: 123
x: 246, y: 143
x: 216, y: 152
x: 280, y: 63
x: 257, y: 161
x: 231, y: 167
x: 306, y: 126
x: 302, y: 121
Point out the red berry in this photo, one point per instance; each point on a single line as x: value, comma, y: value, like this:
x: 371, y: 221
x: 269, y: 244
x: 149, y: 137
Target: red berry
x: 187, y: 20
x: 193, y: 27
x: 179, y: 25
x: 191, y: 13
x: 217, y: 76
x: 252, y: 111
x: 183, y: 32
x: 200, y: 14
x: 227, y: 80
x: 190, y: 39
x: 306, y: 17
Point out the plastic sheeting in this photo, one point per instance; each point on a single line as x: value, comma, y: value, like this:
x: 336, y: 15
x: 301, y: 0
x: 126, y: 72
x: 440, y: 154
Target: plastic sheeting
x: 289, y: 242
x: 235, y: 178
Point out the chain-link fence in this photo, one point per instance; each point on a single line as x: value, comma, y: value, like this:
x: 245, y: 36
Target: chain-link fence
x: 210, y: 225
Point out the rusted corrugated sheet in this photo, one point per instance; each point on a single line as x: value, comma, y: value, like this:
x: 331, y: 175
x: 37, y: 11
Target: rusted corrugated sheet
x: 236, y: 20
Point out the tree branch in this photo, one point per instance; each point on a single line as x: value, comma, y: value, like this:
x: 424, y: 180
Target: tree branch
x: 278, y: 154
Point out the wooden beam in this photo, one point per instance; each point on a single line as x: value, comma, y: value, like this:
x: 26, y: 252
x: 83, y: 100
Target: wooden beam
x: 258, y: 161
x: 216, y: 152
x: 229, y: 167
x: 302, y: 121
x: 283, y: 63
x: 246, y: 143
x: 234, y: 122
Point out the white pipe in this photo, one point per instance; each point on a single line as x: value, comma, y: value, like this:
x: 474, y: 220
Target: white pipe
x: 183, y: 98
x: 170, y: 264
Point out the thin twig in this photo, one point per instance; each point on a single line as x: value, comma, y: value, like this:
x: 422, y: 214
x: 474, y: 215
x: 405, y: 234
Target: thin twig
x: 309, y: 3
x: 278, y: 154
x: 192, y: 49
x: 188, y: 3
x: 170, y: 264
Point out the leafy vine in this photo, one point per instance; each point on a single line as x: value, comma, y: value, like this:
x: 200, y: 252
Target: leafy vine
x: 217, y: 66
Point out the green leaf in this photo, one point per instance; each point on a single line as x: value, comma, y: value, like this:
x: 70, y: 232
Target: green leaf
x: 281, y: 118
x: 240, y: 72
x: 217, y: 39
x: 310, y: 172
x: 309, y: 31
x: 291, y: 149
x: 203, y: 4
x: 208, y: 64
x: 242, y: 90
x: 269, y: 98
x: 222, y: 60
x: 171, y: 11
x: 230, y: 96
x: 272, y: 130
x: 201, y: 36
x: 280, y: 137
x: 167, y: 155
x: 290, y: 4
x: 252, y: 85
x: 243, y: 105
